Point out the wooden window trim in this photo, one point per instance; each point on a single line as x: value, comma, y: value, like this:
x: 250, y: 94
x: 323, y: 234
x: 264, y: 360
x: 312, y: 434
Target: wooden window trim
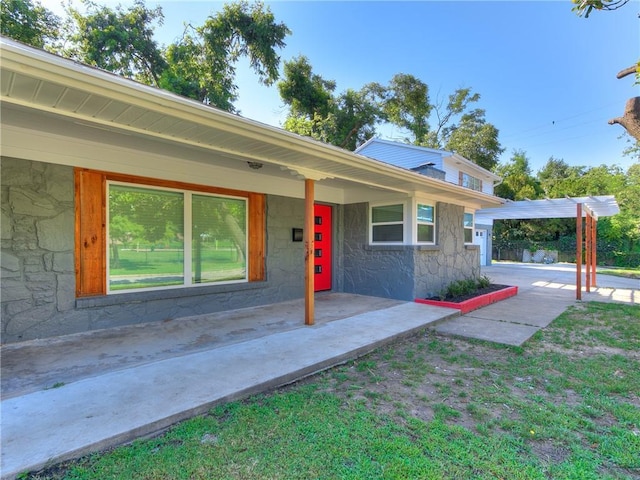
x: 91, y: 218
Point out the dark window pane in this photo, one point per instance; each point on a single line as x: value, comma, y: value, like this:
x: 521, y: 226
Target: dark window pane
x: 468, y: 235
x: 387, y: 233
x: 425, y: 233
x: 387, y: 213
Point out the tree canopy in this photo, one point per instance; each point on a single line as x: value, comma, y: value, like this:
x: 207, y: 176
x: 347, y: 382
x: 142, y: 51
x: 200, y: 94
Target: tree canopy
x: 556, y: 179
x: 346, y: 120
x: 29, y: 22
x: 200, y: 65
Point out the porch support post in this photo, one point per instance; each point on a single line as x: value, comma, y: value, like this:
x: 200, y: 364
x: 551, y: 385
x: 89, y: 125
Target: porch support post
x: 579, y: 251
x: 594, y: 249
x: 309, y: 308
x: 588, y: 252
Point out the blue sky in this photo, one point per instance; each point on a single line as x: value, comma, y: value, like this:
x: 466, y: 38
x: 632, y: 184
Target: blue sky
x: 547, y: 78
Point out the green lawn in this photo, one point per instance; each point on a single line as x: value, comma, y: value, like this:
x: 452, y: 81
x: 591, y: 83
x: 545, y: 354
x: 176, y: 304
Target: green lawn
x: 564, y: 406
x: 621, y: 272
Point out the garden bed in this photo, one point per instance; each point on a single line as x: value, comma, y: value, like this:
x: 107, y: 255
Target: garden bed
x: 467, y: 303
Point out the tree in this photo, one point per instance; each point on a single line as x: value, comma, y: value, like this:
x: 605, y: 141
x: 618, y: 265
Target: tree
x: 517, y: 181
x: 630, y: 120
x: 120, y: 40
x: 29, y: 22
x: 585, y: 7
x: 408, y: 106
x: 240, y: 30
x: 201, y: 65
x: 345, y: 120
x: 476, y: 140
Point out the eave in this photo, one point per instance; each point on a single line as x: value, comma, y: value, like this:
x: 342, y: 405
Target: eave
x: 36, y: 82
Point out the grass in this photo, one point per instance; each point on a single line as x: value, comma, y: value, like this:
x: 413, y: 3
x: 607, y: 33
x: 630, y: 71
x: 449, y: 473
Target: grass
x: 621, y: 272
x: 566, y: 405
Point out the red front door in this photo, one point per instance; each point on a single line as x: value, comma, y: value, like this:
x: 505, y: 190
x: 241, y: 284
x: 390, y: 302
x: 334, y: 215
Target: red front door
x: 322, y: 247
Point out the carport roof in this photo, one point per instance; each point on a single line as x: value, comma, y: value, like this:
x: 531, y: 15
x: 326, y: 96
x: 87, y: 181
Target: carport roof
x: 597, y: 206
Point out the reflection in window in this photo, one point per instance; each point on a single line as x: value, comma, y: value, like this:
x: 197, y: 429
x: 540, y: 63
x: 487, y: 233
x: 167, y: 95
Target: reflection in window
x: 468, y: 227
x: 471, y: 182
x: 149, y: 246
x: 426, y: 224
x: 219, y: 239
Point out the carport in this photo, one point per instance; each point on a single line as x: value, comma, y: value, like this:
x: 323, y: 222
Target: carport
x: 589, y: 208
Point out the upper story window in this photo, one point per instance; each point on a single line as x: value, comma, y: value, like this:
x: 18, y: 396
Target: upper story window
x: 468, y: 227
x: 387, y: 223
x: 426, y: 222
x: 161, y: 237
x: 471, y: 182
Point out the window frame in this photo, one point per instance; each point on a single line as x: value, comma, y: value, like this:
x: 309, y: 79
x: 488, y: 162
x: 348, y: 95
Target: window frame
x: 471, y: 228
x: 91, y: 227
x: 469, y: 181
x: 187, y: 254
x: 403, y: 222
x: 418, y: 223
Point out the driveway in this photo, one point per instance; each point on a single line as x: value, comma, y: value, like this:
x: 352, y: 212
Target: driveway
x: 544, y: 292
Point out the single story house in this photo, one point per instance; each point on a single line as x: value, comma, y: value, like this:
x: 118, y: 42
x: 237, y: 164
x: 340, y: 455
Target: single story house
x: 124, y: 204
x: 444, y: 165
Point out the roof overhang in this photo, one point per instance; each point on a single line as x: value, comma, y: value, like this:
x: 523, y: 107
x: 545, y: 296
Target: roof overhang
x: 596, y: 206
x: 84, y: 101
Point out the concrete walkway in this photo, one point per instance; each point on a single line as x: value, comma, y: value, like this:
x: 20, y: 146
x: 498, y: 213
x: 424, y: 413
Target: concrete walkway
x: 544, y: 292
x: 110, y: 404
x: 124, y: 383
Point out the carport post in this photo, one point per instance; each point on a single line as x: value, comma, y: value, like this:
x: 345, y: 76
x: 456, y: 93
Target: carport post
x: 587, y: 242
x: 579, y: 251
x: 309, y: 309
x: 594, y: 249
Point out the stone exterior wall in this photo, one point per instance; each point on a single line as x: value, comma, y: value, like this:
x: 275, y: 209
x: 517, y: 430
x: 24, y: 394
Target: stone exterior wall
x: 38, y: 281
x: 452, y: 260
x: 37, y: 263
x: 406, y: 272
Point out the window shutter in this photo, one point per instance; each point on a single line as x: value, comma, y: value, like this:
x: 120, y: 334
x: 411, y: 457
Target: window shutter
x: 90, y: 234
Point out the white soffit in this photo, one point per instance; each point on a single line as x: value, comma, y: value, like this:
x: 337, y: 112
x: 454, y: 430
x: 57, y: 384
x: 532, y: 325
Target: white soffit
x: 598, y: 206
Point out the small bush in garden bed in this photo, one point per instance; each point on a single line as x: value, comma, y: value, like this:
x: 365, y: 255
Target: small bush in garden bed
x: 468, y: 288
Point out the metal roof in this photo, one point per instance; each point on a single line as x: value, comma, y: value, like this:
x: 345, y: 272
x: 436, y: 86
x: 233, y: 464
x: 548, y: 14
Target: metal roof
x: 598, y: 206
x: 42, y: 90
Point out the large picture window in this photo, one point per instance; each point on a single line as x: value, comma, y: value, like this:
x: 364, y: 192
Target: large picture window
x: 161, y: 237
x: 137, y: 233
x: 387, y: 224
x: 426, y: 222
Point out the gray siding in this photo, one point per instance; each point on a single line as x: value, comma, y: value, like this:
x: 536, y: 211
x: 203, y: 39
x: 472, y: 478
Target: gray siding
x: 406, y: 272
x: 401, y: 155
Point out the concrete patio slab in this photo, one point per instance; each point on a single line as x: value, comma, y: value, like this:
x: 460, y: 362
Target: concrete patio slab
x: 119, y: 406
x: 38, y: 364
x: 469, y: 326
x: 527, y: 308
